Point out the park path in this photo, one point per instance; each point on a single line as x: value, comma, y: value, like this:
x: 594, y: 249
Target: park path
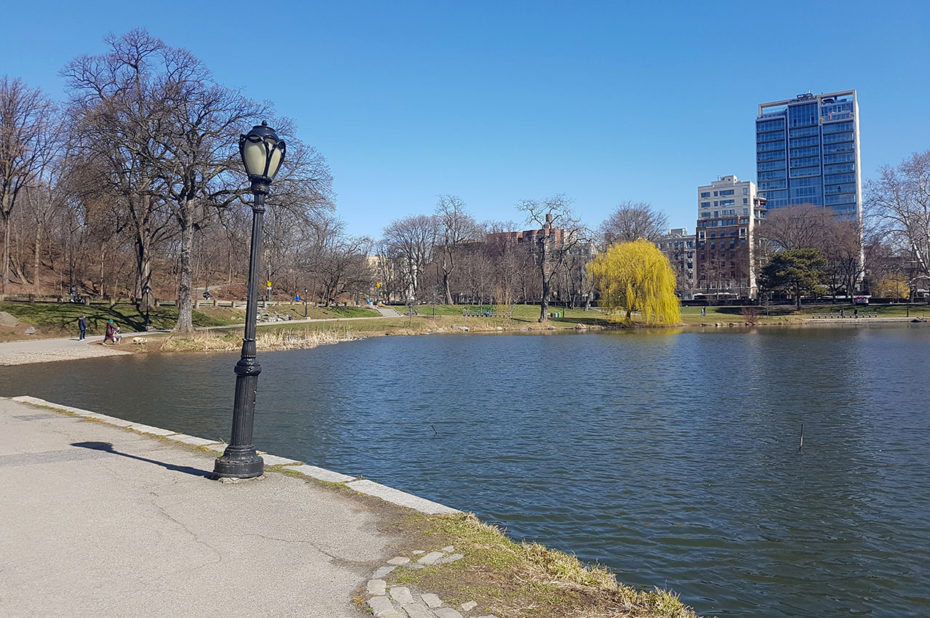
x: 29, y: 351
x: 99, y: 520
x: 58, y: 349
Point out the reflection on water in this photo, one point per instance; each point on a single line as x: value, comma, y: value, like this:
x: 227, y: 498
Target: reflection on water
x: 673, y: 458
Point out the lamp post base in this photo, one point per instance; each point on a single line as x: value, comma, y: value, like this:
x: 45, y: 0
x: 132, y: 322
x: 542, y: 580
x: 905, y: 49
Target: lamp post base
x: 244, y: 465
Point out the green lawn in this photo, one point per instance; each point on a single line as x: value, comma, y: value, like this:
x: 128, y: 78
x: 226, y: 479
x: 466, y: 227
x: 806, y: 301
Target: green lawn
x: 60, y: 319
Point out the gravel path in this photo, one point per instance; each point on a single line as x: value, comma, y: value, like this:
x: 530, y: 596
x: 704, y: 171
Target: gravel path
x: 47, y: 350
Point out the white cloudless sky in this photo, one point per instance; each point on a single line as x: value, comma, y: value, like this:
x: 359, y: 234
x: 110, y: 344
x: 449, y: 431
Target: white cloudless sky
x: 497, y: 102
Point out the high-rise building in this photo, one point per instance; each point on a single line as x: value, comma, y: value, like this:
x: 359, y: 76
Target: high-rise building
x: 807, y: 152
x: 729, y: 211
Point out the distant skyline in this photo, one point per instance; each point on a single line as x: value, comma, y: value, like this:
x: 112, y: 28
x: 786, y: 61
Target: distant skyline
x: 499, y: 102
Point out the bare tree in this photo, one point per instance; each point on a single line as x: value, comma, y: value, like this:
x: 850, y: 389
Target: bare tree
x: 117, y: 118
x: 27, y: 132
x: 561, y: 232
x: 806, y: 226
x: 456, y: 228
x: 200, y: 163
x: 899, y: 203
x: 843, y: 252
x: 802, y: 226
x: 412, y: 241
x: 632, y: 220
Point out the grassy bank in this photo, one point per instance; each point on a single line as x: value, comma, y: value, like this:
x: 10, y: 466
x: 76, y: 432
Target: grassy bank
x: 512, y: 580
x: 60, y: 319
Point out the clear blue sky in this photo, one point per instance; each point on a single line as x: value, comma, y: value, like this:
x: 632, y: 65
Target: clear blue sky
x: 496, y: 102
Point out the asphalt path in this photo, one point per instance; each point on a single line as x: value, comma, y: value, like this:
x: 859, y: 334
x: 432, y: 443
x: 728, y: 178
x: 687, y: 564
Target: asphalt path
x: 29, y: 351
x: 101, y: 521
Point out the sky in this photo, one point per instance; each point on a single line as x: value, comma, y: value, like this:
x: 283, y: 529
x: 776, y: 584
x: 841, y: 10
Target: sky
x: 499, y: 102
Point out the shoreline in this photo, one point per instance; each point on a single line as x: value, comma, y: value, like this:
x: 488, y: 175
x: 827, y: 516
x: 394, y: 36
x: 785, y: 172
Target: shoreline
x: 33, y: 351
x: 461, y: 561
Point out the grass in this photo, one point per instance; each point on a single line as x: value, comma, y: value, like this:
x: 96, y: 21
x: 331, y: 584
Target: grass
x: 787, y: 314
x: 60, y: 319
x: 511, y: 579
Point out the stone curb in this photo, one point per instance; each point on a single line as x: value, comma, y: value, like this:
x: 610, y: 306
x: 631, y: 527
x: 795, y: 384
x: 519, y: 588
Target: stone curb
x: 362, y: 486
x: 386, y: 601
x: 389, y: 494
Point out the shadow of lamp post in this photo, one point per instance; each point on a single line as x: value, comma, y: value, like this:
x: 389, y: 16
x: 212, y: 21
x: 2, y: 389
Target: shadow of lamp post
x: 262, y: 153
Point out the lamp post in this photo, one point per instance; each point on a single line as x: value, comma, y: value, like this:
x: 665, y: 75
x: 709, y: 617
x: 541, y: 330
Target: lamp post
x: 262, y: 153
x: 306, y: 291
x: 147, y: 297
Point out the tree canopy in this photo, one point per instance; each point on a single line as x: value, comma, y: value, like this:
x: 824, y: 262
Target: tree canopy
x: 797, y: 270
x: 637, y: 277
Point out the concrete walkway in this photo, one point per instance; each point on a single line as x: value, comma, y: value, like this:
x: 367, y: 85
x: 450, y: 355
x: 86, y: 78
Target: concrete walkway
x: 99, y: 520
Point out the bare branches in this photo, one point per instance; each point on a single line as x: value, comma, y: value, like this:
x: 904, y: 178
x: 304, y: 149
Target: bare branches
x: 455, y: 229
x: 27, y: 136
x: 411, y: 241
x: 631, y: 221
x: 898, y: 203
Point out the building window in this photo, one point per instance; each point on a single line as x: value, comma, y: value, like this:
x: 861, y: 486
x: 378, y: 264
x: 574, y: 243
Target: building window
x: 705, y: 194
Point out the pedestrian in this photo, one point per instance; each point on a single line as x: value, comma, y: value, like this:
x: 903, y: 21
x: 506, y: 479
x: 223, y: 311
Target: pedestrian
x: 82, y: 325
x: 110, y: 333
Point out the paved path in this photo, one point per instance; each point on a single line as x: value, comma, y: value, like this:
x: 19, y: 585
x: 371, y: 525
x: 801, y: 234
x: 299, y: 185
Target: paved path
x: 70, y: 348
x: 101, y: 521
x: 44, y: 350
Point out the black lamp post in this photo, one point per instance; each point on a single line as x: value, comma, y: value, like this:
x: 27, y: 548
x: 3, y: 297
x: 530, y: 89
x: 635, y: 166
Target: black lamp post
x: 306, y: 291
x: 147, y: 297
x: 262, y: 153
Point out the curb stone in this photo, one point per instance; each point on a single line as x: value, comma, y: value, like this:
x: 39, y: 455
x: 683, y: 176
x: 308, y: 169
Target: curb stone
x: 400, y: 600
x: 362, y: 486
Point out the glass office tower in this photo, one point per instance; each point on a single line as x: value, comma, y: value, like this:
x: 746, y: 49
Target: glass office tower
x: 807, y: 152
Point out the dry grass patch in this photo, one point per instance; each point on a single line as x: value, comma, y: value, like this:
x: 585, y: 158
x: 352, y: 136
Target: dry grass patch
x: 514, y: 580
x: 265, y: 340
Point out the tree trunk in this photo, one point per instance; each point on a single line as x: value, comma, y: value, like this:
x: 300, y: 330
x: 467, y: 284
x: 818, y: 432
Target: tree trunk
x: 36, y: 258
x: 544, y: 304
x: 543, y: 259
x: 445, y: 284
x: 185, y: 302
x: 143, y: 283
x: 5, y: 270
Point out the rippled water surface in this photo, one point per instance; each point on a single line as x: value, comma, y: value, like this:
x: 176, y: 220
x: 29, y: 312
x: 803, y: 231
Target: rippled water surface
x: 672, y: 458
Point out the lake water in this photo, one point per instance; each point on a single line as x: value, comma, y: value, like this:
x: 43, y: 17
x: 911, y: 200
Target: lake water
x: 672, y: 458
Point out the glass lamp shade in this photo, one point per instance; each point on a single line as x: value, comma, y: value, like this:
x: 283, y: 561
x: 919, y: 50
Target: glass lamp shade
x: 262, y: 152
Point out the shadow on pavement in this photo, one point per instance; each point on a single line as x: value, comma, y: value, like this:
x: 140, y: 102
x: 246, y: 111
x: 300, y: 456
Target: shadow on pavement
x: 107, y: 447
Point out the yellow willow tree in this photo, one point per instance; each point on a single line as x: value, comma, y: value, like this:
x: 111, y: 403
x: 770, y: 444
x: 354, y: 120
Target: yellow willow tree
x: 636, y: 276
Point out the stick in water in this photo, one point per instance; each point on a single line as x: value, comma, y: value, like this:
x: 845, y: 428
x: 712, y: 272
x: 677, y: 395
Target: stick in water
x: 802, y: 438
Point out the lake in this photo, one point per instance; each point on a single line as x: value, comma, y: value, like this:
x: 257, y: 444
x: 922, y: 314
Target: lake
x: 674, y: 458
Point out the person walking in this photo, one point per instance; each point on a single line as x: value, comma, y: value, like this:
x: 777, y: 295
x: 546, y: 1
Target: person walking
x: 110, y: 333
x: 82, y: 326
